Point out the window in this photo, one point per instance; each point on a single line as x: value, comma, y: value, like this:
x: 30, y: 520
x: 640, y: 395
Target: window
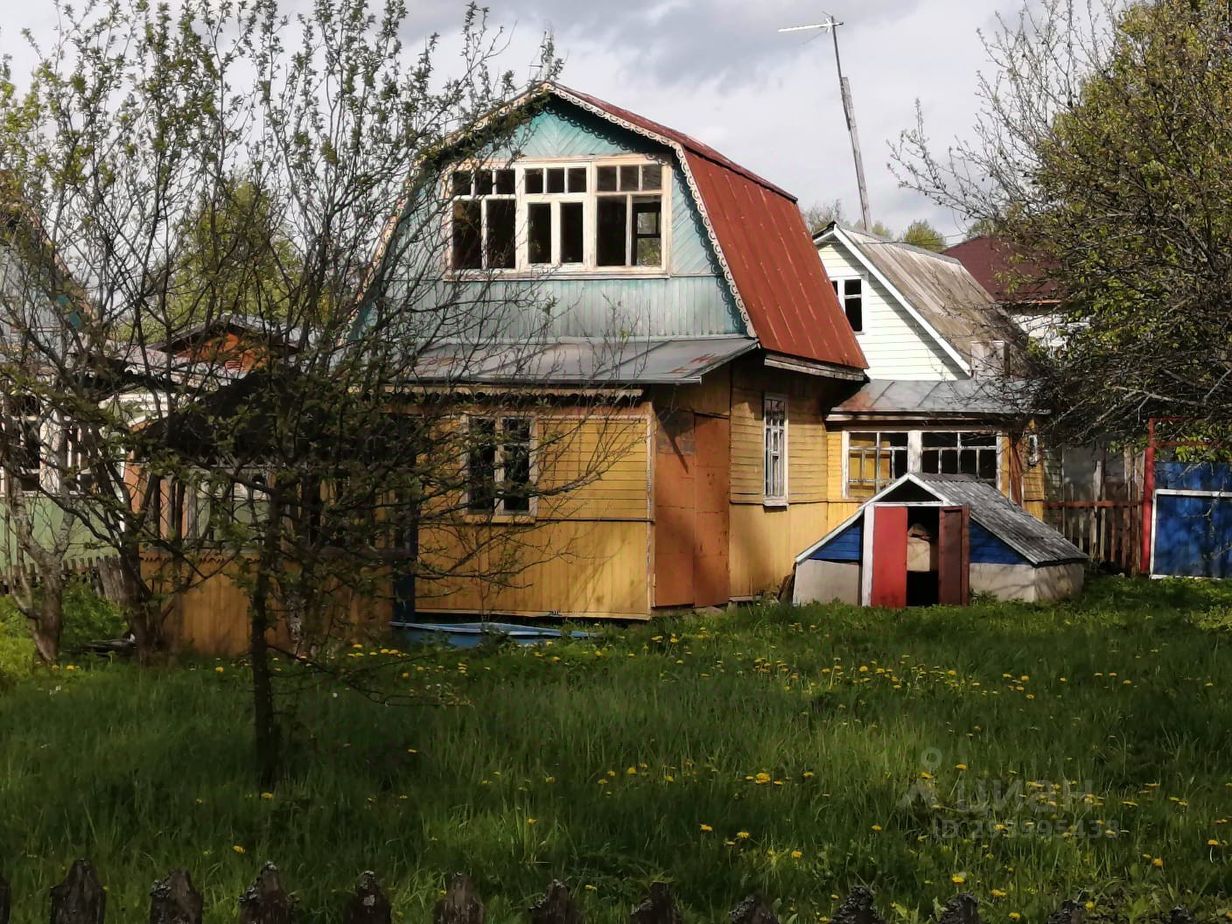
x: 960, y: 454
x: 584, y: 217
x: 24, y: 438
x: 850, y: 294
x: 484, y: 219
x: 775, y: 433
x: 499, y: 466
x: 874, y: 460
x: 629, y: 224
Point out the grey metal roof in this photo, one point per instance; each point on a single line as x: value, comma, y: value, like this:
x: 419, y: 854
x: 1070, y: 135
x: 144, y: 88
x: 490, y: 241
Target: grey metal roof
x: 589, y: 362
x: 940, y: 288
x: 1039, y: 543
x: 962, y: 397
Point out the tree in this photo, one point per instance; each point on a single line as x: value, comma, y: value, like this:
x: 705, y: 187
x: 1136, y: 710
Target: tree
x: 1102, y: 157
x: 364, y: 440
x: 818, y: 217
x: 922, y: 234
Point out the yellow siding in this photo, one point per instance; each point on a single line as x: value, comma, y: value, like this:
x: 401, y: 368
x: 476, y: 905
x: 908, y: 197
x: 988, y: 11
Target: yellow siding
x: 592, y: 569
x: 765, y: 543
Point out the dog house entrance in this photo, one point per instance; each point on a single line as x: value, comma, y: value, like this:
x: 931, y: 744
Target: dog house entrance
x: 917, y: 555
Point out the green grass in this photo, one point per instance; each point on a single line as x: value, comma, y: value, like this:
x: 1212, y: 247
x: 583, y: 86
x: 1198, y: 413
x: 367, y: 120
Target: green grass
x: 601, y: 763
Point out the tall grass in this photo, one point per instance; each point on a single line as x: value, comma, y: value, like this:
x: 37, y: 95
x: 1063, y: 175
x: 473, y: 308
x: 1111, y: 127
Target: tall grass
x: 1022, y: 753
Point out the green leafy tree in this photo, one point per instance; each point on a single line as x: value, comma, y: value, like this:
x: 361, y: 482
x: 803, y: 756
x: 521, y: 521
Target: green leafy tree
x: 922, y: 234
x: 1104, y: 157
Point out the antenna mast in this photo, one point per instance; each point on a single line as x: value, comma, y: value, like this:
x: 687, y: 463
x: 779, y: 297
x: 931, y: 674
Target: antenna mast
x: 849, y: 110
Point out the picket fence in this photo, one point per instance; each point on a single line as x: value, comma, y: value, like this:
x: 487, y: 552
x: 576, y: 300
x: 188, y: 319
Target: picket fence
x: 81, y: 899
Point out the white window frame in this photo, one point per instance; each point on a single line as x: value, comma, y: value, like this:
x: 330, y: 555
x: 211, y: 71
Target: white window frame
x: 839, y: 284
x: 915, y: 450
x: 589, y: 267
x: 771, y: 498
x: 483, y: 201
x: 498, y: 471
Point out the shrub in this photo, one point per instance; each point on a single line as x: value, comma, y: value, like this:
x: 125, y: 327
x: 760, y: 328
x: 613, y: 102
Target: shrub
x: 16, y: 648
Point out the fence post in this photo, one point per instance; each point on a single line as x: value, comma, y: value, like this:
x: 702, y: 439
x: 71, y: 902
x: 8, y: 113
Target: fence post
x: 174, y: 900
x: 858, y: 908
x: 368, y: 905
x: 556, y: 907
x: 658, y: 907
x: 753, y: 911
x: 6, y: 900
x: 460, y: 905
x: 265, y: 901
x: 79, y: 899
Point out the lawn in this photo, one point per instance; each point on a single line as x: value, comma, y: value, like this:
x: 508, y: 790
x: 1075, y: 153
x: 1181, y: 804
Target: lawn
x: 1024, y: 754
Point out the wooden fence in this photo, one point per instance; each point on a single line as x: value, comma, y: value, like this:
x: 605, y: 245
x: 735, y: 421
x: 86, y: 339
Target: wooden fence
x: 81, y: 899
x: 1109, y: 531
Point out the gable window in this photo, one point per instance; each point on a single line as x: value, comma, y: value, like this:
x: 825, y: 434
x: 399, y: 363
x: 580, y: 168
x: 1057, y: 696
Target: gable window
x: 484, y: 219
x: 960, y: 454
x: 593, y: 216
x: 850, y: 294
x: 874, y: 460
x: 774, y: 428
x: 499, y: 466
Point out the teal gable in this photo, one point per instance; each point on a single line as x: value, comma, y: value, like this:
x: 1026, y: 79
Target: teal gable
x: 689, y: 297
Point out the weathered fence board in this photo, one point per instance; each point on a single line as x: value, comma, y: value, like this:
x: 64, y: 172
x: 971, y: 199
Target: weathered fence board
x: 81, y: 899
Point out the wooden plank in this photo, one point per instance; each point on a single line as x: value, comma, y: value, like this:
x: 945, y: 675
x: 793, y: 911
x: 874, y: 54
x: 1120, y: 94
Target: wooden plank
x: 889, y: 557
x: 712, y: 512
x: 954, y: 556
x: 675, y: 526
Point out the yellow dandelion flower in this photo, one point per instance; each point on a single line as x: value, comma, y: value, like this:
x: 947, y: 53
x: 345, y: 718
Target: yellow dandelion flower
x: 876, y: 827
x: 958, y: 878
x: 960, y: 767
x: 706, y: 828
x: 1015, y: 916
x: 532, y: 821
x: 999, y: 893
x: 796, y: 854
x: 219, y: 669
x: 742, y: 835
x: 1158, y: 862
x: 631, y: 771
x: 238, y: 848
x: 762, y: 778
x: 267, y: 796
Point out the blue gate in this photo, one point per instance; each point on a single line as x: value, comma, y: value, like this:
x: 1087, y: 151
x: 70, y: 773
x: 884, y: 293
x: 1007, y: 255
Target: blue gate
x: 1192, y: 529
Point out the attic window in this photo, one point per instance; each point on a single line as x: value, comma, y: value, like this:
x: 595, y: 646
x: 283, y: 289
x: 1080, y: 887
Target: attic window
x: 484, y: 218
x: 629, y: 226
x: 850, y: 294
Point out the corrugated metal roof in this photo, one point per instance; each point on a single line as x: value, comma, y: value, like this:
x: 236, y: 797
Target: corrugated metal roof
x: 940, y: 288
x: 1005, y: 274
x: 960, y: 397
x: 762, y: 242
x: 1038, y: 542
x: 591, y: 363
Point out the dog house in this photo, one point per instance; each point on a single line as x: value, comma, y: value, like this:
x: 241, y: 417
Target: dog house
x: 935, y: 539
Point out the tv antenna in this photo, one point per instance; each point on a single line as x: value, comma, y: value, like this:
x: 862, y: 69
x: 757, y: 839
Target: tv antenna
x: 849, y: 110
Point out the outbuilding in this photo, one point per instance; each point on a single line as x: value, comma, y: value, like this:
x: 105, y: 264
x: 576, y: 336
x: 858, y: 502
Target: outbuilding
x: 929, y: 539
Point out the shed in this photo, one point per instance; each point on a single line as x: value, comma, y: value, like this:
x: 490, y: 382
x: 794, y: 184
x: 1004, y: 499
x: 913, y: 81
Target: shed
x: 929, y: 539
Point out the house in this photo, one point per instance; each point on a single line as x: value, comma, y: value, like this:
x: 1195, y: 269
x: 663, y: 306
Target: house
x: 940, y: 397
x: 732, y: 348
x: 1017, y: 284
x: 933, y: 538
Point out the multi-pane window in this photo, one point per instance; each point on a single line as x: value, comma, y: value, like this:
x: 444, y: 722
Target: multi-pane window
x: 556, y: 215
x: 484, y: 219
x: 960, y: 454
x: 24, y: 441
x: 499, y: 466
x: 775, y: 442
x: 588, y: 216
x: 874, y: 460
x: 629, y: 216
x: 850, y: 294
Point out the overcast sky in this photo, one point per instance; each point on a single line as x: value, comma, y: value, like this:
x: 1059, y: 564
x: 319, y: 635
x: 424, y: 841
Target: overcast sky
x: 719, y: 70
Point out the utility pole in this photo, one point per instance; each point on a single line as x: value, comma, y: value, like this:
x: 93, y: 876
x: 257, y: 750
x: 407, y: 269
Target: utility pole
x: 849, y: 110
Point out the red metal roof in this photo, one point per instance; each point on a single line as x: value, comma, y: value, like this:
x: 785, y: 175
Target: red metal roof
x: 763, y: 241
x: 992, y: 263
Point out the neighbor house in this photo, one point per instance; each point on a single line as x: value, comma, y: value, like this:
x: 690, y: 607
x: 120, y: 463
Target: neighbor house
x: 940, y: 397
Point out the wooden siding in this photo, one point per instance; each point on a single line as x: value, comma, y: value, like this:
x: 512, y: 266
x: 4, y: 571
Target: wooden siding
x: 894, y: 343
x: 766, y: 541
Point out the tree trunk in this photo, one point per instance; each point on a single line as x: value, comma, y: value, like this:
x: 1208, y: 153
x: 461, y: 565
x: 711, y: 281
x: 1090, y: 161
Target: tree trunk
x: 49, y: 622
x: 266, y: 733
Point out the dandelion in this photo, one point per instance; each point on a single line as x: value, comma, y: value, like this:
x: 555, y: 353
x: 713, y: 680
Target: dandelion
x: 238, y: 848
x: 1157, y: 862
x: 742, y: 835
x: 762, y: 778
x: 999, y: 893
x: 876, y: 827
x: 1015, y: 916
x: 962, y: 768
x: 631, y: 771
x: 532, y: 821
x: 706, y: 829
x: 267, y: 796
x: 1212, y: 843
x: 219, y: 669
x: 796, y: 854
x: 958, y: 878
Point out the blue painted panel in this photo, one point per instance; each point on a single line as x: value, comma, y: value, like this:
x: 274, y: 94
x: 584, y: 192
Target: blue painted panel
x: 1193, y: 536
x: 1193, y: 476
x: 846, y: 546
x: 988, y: 549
